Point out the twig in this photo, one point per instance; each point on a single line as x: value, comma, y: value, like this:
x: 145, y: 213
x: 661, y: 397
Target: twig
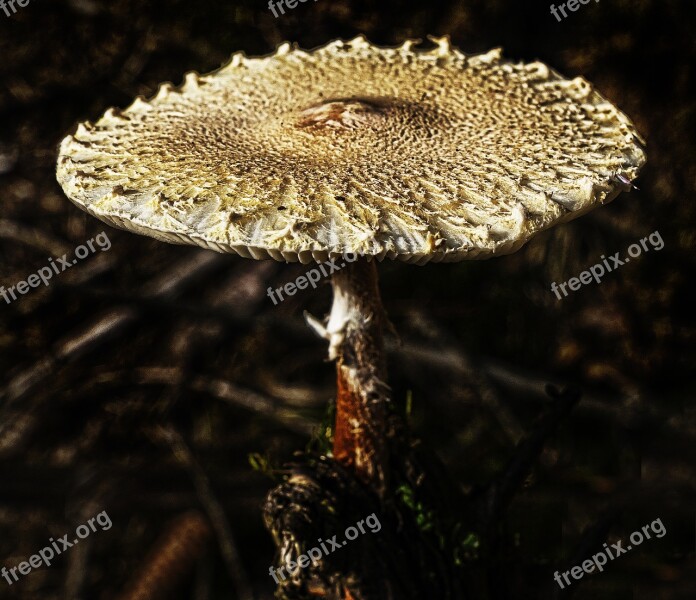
x: 33, y: 237
x: 213, y: 508
x: 499, y: 495
x: 202, y: 587
x: 77, y: 570
x: 91, y: 485
x: 171, y: 559
x: 230, y: 392
x: 630, y: 412
x: 455, y: 360
x: 218, y: 388
x: 589, y: 540
x: 96, y: 333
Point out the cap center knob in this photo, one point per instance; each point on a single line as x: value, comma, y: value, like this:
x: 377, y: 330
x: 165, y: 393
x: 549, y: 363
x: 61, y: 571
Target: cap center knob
x: 342, y: 113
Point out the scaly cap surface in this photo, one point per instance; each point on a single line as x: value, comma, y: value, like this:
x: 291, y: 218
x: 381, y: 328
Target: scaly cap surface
x: 420, y: 155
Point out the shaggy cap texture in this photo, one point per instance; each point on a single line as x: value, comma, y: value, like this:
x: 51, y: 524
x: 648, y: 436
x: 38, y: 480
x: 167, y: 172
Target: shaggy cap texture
x: 420, y: 155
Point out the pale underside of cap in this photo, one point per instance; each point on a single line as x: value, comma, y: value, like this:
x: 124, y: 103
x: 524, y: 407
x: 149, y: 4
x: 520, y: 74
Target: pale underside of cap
x: 420, y: 155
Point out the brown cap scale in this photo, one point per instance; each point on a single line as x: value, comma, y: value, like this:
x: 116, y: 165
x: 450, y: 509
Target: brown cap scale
x: 400, y: 153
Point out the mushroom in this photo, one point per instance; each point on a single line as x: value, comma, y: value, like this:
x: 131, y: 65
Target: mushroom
x: 421, y: 155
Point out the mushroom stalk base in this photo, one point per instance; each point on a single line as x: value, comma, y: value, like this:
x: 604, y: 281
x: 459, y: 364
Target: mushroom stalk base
x: 354, y: 331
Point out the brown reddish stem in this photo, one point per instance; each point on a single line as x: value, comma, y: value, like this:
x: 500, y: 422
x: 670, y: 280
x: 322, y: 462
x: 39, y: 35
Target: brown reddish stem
x: 354, y: 330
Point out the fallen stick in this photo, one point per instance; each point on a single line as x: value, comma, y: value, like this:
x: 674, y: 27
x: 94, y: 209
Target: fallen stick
x: 94, y: 334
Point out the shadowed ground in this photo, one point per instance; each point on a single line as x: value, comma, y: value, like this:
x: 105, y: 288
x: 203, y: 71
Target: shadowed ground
x: 140, y: 380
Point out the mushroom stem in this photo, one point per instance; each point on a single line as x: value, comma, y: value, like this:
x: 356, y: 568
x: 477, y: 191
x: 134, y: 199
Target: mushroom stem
x: 362, y: 399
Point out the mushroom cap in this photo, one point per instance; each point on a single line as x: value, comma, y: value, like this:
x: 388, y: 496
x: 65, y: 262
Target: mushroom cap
x: 420, y: 155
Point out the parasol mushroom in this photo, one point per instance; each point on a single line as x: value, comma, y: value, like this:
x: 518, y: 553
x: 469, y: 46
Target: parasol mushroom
x: 397, y: 153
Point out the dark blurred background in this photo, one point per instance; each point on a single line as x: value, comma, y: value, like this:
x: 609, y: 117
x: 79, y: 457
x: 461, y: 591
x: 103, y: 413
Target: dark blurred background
x: 140, y: 381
